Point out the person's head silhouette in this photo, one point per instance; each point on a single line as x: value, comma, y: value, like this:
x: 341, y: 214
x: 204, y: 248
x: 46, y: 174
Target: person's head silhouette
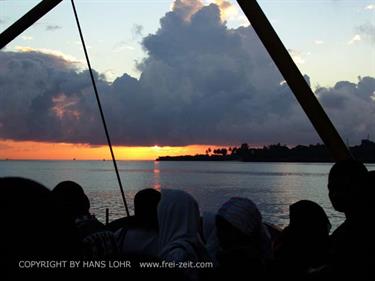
x: 308, y: 216
x: 145, y: 207
x: 30, y: 228
x: 71, y: 199
x: 347, y: 186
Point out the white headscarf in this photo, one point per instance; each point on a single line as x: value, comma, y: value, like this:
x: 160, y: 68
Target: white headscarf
x: 179, y: 223
x: 243, y: 214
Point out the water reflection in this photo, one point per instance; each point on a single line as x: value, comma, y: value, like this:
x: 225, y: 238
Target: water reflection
x: 156, y: 172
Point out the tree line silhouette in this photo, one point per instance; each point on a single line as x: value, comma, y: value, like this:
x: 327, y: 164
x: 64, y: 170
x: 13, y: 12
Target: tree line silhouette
x: 364, y: 152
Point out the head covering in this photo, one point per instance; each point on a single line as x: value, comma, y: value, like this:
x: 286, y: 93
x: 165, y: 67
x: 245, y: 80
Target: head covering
x: 243, y: 214
x: 179, y: 223
x: 308, y: 216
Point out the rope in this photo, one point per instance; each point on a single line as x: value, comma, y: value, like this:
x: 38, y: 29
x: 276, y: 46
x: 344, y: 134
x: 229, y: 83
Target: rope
x: 100, y: 109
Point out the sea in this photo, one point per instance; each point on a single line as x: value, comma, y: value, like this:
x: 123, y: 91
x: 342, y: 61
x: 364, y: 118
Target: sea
x: 272, y: 186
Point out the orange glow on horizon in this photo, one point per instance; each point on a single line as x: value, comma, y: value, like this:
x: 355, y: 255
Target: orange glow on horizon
x: 31, y: 150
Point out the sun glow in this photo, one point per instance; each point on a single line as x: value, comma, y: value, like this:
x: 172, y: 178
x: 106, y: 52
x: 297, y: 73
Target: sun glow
x: 31, y: 150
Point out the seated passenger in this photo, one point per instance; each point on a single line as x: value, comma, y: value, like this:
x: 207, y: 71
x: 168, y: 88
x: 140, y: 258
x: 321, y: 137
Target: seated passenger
x: 244, y: 241
x: 30, y: 230
x: 210, y: 235
x: 302, y: 248
x: 74, y: 205
x: 141, y: 239
x: 353, y: 241
x: 179, y: 226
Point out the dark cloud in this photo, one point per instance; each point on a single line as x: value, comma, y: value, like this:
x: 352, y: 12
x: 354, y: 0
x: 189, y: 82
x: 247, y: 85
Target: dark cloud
x: 351, y: 107
x: 53, y: 27
x: 201, y: 83
x: 368, y: 32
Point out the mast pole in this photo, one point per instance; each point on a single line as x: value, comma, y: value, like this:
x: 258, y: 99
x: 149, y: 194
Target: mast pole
x: 26, y: 21
x: 101, y: 110
x: 295, y: 80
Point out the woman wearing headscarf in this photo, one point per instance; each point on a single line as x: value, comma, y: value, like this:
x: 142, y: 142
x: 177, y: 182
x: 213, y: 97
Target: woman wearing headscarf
x: 302, y: 249
x: 244, y: 241
x: 179, y: 226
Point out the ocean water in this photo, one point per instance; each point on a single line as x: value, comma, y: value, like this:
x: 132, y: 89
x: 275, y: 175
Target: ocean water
x: 272, y: 186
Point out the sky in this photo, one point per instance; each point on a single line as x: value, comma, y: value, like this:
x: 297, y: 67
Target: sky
x: 179, y: 76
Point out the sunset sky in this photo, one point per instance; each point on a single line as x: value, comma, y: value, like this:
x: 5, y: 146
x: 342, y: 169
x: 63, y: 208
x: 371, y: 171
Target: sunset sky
x: 177, y: 77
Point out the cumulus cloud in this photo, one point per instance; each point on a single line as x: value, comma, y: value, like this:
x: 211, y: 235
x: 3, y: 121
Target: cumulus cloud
x: 370, y: 7
x: 185, y: 9
x: 53, y: 27
x: 351, y: 107
x: 27, y: 38
x: 297, y: 56
x: 56, y: 53
x: 356, y: 38
x: 201, y: 83
x: 227, y: 10
x: 368, y: 32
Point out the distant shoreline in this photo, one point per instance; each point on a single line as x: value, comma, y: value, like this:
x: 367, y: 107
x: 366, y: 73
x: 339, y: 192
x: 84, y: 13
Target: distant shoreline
x: 277, y: 153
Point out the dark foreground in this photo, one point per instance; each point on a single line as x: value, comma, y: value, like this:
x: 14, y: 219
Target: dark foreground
x: 49, y: 235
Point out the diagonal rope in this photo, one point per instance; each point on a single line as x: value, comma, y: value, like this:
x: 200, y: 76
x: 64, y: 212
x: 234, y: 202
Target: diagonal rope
x: 100, y: 109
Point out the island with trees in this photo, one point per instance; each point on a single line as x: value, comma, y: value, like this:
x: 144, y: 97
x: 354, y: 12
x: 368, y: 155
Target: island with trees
x: 364, y: 152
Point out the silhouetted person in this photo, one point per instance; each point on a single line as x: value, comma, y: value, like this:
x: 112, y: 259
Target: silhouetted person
x: 303, y: 246
x: 30, y: 230
x: 210, y: 235
x: 141, y: 238
x: 74, y: 206
x: 244, y: 241
x: 179, y: 227
x: 353, y: 241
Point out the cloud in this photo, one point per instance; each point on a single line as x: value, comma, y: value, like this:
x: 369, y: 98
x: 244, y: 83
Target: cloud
x: 53, y: 27
x: 319, y: 42
x: 4, y: 146
x: 137, y: 31
x: 27, y: 38
x: 356, y: 38
x: 185, y: 9
x: 122, y: 46
x: 370, y: 7
x: 56, y: 53
x: 200, y: 83
x: 350, y: 106
x: 297, y: 56
x: 367, y: 32
x: 227, y: 10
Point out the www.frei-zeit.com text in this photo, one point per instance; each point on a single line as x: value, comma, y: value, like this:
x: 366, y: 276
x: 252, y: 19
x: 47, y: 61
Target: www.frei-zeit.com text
x: 58, y: 264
